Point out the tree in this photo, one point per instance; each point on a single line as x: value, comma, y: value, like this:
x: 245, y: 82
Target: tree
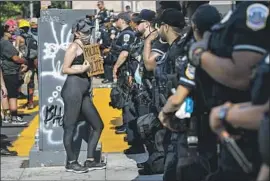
x: 9, y: 10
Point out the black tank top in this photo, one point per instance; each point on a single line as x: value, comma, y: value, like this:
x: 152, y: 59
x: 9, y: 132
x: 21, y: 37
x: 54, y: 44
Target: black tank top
x: 78, y: 60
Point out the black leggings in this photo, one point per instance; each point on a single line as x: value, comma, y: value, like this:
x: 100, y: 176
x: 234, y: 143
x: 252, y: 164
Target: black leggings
x: 75, y: 94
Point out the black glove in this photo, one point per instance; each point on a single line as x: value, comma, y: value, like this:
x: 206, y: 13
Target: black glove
x: 197, y: 48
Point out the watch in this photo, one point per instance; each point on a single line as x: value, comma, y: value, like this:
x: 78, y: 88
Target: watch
x: 223, y: 114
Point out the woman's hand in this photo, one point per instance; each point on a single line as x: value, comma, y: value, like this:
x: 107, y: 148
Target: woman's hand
x: 85, y: 66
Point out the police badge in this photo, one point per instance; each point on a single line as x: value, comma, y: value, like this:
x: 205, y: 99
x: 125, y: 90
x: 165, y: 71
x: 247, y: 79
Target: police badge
x: 190, y: 71
x: 126, y: 38
x: 257, y: 15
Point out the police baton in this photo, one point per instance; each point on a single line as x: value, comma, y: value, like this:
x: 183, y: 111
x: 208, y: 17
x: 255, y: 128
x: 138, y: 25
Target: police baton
x: 235, y: 151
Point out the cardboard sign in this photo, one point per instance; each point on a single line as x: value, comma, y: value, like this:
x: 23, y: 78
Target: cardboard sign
x: 92, y: 55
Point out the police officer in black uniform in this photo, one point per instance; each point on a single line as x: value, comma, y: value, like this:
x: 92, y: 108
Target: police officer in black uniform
x: 135, y: 57
x: 103, y: 14
x: 177, y: 160
x: 170, y: 29
x: 121, y: 47
x: 144, y: 28
x: 222, y: 75
x: 105, y: 42
x: 252, y: 115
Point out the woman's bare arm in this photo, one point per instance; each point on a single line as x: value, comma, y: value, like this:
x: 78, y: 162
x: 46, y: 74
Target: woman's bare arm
x: 69, y: 57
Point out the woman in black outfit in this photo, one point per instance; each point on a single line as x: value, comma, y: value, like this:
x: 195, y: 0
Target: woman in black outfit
x: 77, y: 100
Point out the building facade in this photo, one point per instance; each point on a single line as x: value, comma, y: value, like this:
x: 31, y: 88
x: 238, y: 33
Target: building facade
x: 117, y: 6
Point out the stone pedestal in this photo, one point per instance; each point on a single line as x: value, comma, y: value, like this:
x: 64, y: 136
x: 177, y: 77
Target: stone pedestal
x: 54, y: 37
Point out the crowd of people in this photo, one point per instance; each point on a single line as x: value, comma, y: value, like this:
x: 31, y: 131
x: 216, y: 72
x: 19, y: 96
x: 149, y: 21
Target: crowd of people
x: 18, y: 55
x: 192, y: 84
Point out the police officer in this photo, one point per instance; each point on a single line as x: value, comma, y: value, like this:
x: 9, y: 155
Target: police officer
x: 170, y: 31
x: 189, y: 7
x: 185, y: 75
x: 252, y: 115
x: 132, y: 23
x: 105, y: 43
x: 103, y: 14
x: 143, y: 29
x: 238, y: 38
x: 154, y: 47
x: 121, y: 47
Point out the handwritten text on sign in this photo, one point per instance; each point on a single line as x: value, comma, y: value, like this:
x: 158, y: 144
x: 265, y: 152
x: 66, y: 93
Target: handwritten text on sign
x: 92, y: 55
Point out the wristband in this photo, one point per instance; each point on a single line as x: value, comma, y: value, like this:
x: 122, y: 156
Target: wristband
x: 223, y: 114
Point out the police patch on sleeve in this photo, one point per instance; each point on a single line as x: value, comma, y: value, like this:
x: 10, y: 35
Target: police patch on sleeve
x: 257, y: 15
x: 190, y: 71
x: 126, y: 38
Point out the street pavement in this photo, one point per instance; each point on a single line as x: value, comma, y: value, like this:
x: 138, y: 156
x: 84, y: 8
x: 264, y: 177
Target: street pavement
x: 119, y: 165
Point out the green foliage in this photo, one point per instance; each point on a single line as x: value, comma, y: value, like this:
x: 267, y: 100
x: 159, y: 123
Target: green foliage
x: 9, y: 10
x: 59, y: 5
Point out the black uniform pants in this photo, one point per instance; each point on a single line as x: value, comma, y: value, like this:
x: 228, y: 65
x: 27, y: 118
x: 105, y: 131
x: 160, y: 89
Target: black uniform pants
x: 75, y: 94
x: 170, y: 157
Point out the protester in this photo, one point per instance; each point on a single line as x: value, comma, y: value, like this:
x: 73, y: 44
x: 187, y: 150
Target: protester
x: 77, y: 100
x: 11, y: 64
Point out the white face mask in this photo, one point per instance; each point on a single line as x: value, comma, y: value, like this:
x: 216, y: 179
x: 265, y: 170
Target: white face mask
x: 114, y: 24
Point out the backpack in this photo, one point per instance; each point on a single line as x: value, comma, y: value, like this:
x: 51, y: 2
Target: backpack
x: 31, y: 46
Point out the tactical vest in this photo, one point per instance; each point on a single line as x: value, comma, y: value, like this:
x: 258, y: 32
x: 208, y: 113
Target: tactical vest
x: 260, y: 84
x: 135, y: 56
x: 116, y: 49
x: 167, y: 69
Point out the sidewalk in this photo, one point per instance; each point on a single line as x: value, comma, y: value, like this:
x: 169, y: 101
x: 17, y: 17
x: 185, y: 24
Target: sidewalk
x: 119, y: 167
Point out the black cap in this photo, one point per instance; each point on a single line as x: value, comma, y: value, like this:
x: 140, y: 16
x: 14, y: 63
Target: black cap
x: 172, y: 17
x: 205, y: 17
x: 83, y: 25
x: 145, y: 15
x: 124, y: 16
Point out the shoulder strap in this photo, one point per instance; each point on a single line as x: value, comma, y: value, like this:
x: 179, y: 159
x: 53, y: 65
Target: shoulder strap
x: 79, y: 45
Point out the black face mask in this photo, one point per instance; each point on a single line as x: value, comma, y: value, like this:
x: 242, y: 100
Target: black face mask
x: 34, y: 30
x: 138, y: 34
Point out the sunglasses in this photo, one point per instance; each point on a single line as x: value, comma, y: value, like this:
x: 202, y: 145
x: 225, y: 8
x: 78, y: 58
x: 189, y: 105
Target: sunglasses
x: 98, y: 4
x: 158, y: 25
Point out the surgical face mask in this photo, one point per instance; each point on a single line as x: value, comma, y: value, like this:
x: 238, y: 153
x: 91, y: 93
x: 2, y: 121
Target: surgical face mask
x: 114, y: 24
